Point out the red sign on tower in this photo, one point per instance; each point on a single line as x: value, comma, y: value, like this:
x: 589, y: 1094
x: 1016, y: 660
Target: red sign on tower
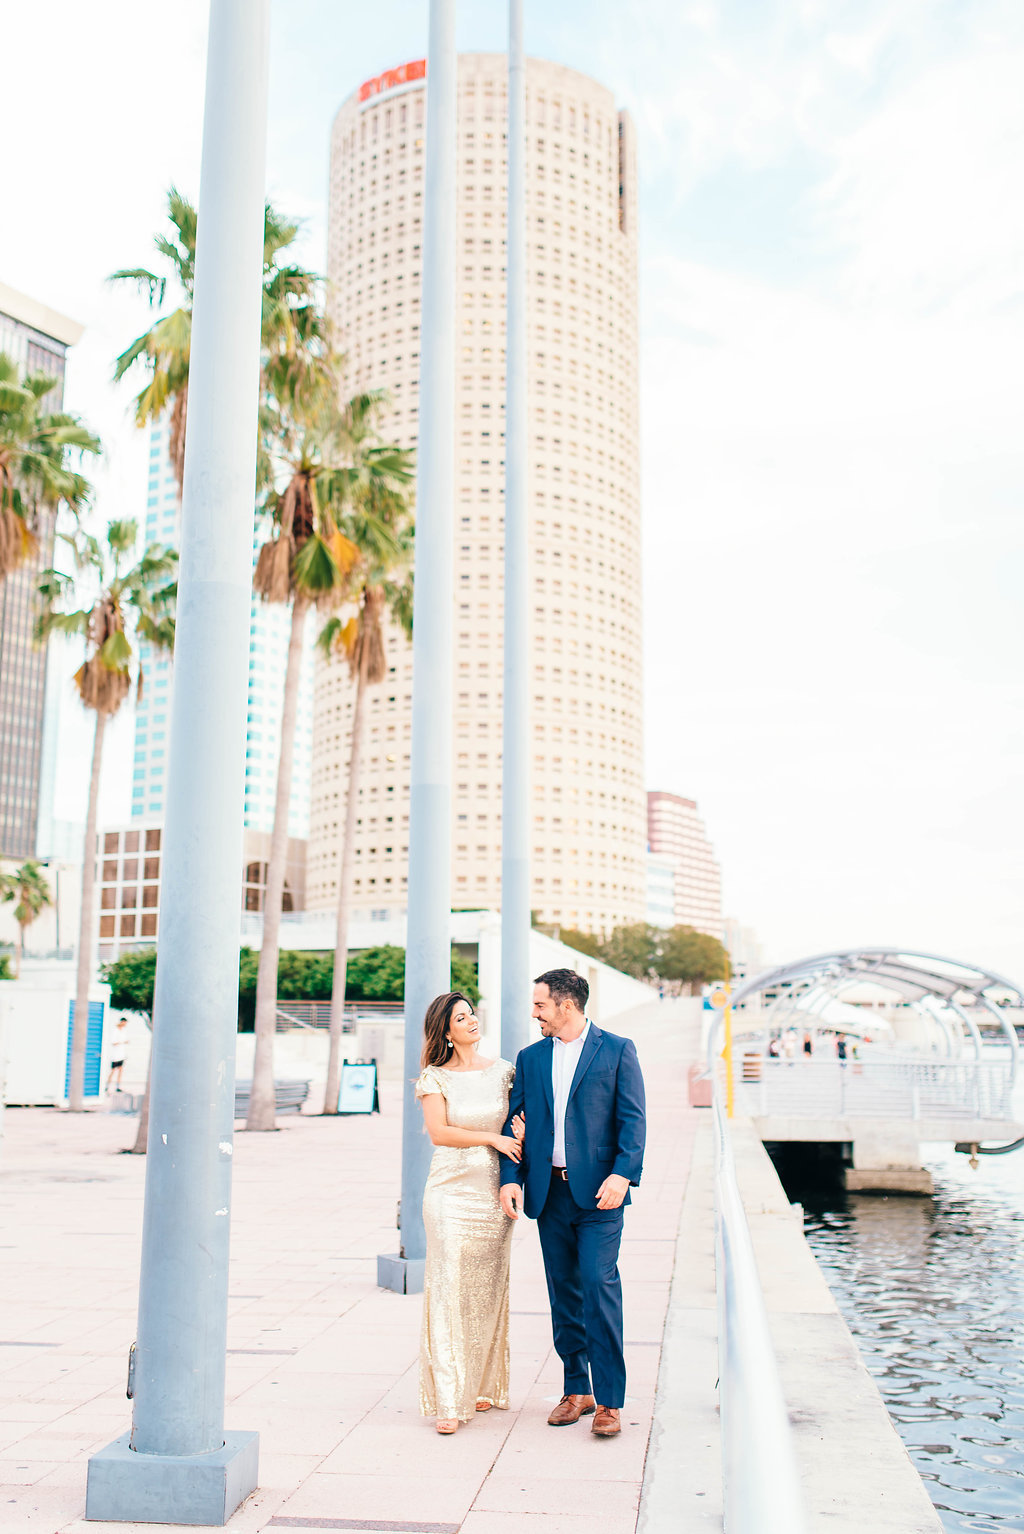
x: 417, y: 70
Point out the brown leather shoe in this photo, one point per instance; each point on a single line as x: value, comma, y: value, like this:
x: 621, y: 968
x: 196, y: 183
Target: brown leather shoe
x: 571, y: 1409
x: 606, y: 1423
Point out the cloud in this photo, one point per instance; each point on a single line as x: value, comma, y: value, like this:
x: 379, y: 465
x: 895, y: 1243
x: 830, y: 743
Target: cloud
x: 925, y: 198
x: 832, y: 240
x: 833, y: 482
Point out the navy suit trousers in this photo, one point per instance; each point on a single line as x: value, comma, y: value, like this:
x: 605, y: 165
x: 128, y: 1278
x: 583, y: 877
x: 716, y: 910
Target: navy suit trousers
x: 581, y: 1257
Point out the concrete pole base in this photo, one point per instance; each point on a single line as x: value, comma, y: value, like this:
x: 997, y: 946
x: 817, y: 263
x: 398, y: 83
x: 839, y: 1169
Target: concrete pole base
x: 892, y: 1179
x: 403, y: 1275
x: 127, y: 1487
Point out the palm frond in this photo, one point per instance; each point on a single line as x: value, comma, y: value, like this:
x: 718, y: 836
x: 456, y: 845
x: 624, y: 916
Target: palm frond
x: 339, y: 636
x: 35, y: 466
x: 100, y: 688
x: 272, y: 577
x: 62, y: 623
x: 115, y: 652
x: 136, y: 604
x: 122, y: 535
x: 17, y: 541
x: 147, y: 282
x: 317, y: 573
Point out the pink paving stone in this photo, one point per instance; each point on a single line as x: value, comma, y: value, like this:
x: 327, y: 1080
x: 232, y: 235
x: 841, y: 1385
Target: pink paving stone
x: 19, y: 1410
x: 415, y: 1448
x: 340, y: 1431
x: 547, y: 1523
x: 388, y: 1498
x: 536, y: 1494
x: 42, y: 1507
x: 53, y: 1445
x: 22, y: 1472
x: 582, y: 1458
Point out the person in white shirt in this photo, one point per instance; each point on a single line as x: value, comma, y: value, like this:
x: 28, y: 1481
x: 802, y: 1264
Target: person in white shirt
x: 581, y: 1094
x: 118, y: 1054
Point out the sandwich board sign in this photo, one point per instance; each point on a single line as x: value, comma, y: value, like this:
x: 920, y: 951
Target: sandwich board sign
x: 358, y: 1092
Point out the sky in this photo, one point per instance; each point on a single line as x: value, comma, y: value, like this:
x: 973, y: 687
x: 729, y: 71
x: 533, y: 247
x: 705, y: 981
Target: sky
x: 832, y: 326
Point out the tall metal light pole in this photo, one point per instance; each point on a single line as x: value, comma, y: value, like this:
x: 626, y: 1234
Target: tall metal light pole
x: 428, y: 935
x: 179, y: 1465
x: 516, y: 987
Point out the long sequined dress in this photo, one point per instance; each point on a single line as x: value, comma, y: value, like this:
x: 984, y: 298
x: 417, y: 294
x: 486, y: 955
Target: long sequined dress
x: 464, y: 1342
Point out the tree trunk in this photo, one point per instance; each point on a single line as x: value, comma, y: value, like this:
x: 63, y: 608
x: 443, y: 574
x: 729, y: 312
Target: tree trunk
x: 261, y: 1100
x: 80, y: 1029
x: 21, y: 950
x: 142, y: 1134
x: 355, y: 766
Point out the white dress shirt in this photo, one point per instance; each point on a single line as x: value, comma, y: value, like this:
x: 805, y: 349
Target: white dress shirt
x: 564, y: 1060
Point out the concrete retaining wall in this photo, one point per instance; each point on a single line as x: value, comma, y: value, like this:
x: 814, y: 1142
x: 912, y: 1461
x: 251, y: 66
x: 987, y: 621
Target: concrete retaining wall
x: 856, y: 1474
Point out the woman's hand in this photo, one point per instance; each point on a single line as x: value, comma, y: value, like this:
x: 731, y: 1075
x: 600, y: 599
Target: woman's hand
x: 519, y: 1127
x: 507, y: 1146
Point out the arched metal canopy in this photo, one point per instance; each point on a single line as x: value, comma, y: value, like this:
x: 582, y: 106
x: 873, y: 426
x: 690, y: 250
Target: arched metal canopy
x: 912, y: 975
x: 947, y: 992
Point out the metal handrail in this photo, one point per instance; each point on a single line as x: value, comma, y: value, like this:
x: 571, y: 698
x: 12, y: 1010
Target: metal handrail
x: 760, y: 1480
x: 882, y: 1084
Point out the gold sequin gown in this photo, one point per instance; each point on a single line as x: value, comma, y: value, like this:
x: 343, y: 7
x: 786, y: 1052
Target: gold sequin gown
x: 464, y: 1341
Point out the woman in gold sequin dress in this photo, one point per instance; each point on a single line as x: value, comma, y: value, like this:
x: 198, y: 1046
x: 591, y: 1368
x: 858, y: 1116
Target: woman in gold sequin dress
x: 464, y: 1342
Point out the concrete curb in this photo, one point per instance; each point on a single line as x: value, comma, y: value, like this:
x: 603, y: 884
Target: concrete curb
x: 856, y: 1473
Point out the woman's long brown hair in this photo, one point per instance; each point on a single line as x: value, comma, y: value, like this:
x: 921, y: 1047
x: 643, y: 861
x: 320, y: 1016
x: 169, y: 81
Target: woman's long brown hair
x: 436, y: 1049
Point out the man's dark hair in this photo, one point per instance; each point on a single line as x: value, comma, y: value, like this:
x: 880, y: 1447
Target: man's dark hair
x: 565, y: 985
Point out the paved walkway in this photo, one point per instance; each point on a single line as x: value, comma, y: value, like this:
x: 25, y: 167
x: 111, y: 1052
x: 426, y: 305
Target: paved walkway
x: 321, y: 1362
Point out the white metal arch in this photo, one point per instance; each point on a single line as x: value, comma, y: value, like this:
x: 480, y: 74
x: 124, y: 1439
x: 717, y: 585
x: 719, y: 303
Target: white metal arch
x: 947, y: 984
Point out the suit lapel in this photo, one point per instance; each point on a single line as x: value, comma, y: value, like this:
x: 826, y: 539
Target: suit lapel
x: 545, y: 1074
x: 591, y: 1045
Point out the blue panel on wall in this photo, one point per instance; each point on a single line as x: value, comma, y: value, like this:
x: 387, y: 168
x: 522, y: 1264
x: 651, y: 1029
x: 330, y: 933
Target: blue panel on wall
x: 93, y: 1045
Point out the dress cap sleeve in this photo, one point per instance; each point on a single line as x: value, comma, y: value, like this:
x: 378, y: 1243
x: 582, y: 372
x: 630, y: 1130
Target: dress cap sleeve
x: 429, y: 1082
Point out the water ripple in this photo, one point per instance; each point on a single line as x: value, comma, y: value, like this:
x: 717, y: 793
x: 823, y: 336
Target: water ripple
x: 933, y: 1292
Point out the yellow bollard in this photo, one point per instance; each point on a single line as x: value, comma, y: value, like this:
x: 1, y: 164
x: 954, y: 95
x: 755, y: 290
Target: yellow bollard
x: 720, y: 998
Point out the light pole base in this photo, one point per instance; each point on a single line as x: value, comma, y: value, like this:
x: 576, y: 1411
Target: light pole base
x: 127, y: 1487
x: 402, y: 1274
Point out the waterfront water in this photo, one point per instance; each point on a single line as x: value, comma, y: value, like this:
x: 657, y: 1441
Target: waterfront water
x: 933, y: 1292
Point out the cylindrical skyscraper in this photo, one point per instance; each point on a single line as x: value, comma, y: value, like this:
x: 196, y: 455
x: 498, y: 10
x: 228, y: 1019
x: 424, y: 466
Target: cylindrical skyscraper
x: 588, y: 805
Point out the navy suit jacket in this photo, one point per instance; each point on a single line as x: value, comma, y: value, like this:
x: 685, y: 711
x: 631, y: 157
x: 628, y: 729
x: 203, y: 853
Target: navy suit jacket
x: 605, y: 1122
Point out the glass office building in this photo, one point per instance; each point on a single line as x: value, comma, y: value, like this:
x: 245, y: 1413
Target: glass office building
x: 37, y: 339
x: 268, y: 656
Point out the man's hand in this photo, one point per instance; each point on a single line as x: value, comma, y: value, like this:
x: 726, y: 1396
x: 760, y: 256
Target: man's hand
x: 611, y: 1192
x: 511, y: 1196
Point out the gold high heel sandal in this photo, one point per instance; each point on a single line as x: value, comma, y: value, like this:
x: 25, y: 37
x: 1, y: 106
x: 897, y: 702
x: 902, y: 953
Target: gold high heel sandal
x: 447, y: 1424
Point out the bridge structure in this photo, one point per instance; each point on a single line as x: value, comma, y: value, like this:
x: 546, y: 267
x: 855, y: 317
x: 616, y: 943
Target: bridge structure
x: 936, y: 1058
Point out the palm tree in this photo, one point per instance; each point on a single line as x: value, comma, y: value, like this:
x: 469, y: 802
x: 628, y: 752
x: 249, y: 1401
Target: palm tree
x: 27, y: 885
x: 143, y: 597
x: 35, y: 476
x: 292, y: 319
x: 361, y: 641
x: 325, y: 456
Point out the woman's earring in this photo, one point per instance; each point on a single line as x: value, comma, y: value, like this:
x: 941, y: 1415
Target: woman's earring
x: 449, y: 1042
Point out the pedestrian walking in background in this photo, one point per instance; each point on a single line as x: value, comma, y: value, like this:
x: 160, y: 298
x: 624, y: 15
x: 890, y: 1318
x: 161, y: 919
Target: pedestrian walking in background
x: 118, y: 1055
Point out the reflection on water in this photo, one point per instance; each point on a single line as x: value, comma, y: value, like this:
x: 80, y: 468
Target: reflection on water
x: 933, y: 1292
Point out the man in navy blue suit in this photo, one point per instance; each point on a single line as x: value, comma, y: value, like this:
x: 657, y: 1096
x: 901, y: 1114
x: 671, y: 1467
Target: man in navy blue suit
x: 581, y: 1095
